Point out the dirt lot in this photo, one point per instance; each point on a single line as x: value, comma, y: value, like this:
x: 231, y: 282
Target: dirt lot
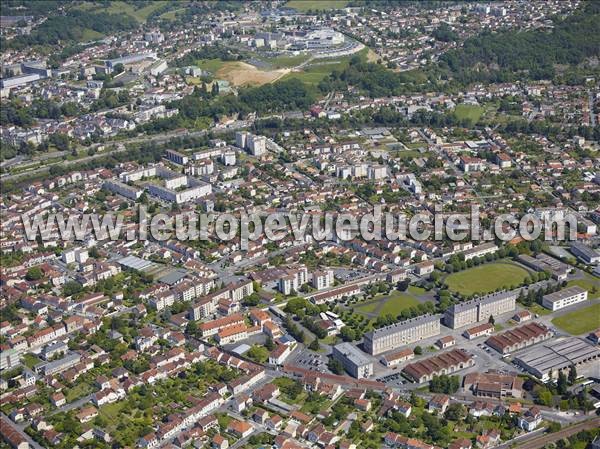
x: 240, y: 73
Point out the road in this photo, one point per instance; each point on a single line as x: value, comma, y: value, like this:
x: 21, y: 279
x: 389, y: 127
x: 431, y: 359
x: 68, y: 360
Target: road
x: 19, y: 427
x: 543, y: 440
x: 121, y: 148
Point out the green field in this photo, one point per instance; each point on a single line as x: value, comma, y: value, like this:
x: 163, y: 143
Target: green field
x: 140, y: 14
x: 470, y: 112
x: 580, y: 321
x: 212, y: 65
x: 314, y: 72
x: 282, y: 62
x: 391, y: 304
x: 589, y: 283
x: 315, y: 5
x: 486, y: 278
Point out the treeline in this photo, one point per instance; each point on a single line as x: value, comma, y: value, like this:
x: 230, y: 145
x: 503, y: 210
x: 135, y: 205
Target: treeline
x: 71, y: 28
x: 212, y: 52
x: 15, y: 113
x: 527, y: 54
x: 276, y: 97
x: 372, y: 79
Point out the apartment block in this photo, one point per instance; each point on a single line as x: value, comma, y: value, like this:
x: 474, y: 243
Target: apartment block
x: 403, y: 333
x: 480, y: 309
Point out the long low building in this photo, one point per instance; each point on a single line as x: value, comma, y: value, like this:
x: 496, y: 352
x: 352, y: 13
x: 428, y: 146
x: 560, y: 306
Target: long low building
x: 445, y: 363
x: 400, y: 334
x: 519, y: 338
x: 564, y: 298
x: 548, y: 359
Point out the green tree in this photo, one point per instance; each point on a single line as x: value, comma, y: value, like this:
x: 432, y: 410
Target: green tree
x: 34, y: 274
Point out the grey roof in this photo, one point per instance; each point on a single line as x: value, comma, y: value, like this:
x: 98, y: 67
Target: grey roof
x: 397, y: 327
x: 554, y: 355
x: 564, y: 293
x: 487, y: 299
x: 135, y: 263
x: 585, y: 250
x: 173, y: 276
x: 353, y: 354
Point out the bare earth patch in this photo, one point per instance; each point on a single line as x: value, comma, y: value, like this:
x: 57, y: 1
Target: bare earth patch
x: 241, y: 73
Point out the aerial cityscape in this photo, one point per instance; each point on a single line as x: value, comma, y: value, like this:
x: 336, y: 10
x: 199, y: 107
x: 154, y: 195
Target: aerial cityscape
x: 300, y: 224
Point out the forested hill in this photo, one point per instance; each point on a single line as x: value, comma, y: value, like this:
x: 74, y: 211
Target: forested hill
x: 509, y: 55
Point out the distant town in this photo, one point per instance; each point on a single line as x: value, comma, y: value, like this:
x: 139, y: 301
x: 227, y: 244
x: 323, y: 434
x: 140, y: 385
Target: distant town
x: 307, y: 108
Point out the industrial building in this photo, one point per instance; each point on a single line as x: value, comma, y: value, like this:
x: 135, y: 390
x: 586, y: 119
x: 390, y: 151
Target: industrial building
x: 494, y: 384
x: 547, y: 360
x: 445, y: 363
x: 564, y: 298
x: 519, y: 338
x: 585, y: 253
x: 355, y: 362
x: 543, y: 262
x: 400, y: 334
x: 480, y: 309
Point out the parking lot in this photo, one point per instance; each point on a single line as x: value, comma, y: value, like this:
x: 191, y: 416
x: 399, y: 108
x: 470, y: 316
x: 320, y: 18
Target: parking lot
x: 310, y: 360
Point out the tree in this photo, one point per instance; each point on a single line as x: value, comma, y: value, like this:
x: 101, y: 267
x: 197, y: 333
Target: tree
x: 314, y: 345
x: 34, y: 274
x: 562, y: 384
x: 335, y: 366
x: 191, y: 328
x: 418, y: 350
x: 572, y: 374
x: 269, y: 343
x: 491, y: 320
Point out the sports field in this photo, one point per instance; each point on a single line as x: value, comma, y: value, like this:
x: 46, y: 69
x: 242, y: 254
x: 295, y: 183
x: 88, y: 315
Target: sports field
x: 580, y: 321
x: 486, y: 278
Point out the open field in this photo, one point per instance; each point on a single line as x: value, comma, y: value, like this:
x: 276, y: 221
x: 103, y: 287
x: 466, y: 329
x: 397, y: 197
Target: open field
x: 391, y: 304
x: 486, y: 278
x: 470, y: 112
x: 243, y: 74
x: 590, y: 283
x: 318, y: 69
x: 315, y: 5
x: 580, y: 321
x: 119, y: 7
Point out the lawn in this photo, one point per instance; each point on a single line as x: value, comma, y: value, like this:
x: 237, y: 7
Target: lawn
x: 212, y: 65
x: 120, y: 7
x: 486, y: 278
x: 281, y: 62
x: 590, y: 282
x: 315, y: 5
x: 579, y: 321
x: 391, y: 304
x: 314, y: 72
x: 470, y: 112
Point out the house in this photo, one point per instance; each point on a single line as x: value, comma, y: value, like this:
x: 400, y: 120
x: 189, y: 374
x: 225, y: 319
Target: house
x: 219, y: 442
x: 439, y: 403
x: 445, y: 342
x: 58, y: 399
x: 240, y: 429
x: 530, y: 419
x: 87, y: 414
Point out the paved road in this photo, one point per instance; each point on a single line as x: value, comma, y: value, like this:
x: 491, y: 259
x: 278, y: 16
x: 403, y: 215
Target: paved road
x: 155, y: 138
x: 19, y: 427
x: 543, y: 440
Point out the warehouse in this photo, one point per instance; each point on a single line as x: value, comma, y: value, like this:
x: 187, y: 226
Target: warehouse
x: 564, y: 298
x: 445, y: 363
x: 519, y: 338
x: 545, y: 361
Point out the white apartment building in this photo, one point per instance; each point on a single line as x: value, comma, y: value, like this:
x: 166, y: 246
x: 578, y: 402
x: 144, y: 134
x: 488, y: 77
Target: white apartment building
x: 564, y: 298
